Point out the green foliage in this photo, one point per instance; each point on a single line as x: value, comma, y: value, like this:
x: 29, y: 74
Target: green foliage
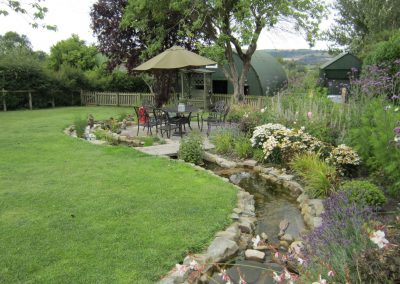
x: 233, y: 25
x: 80, y: 124
x: 362, y: 191
x: 191, y: 148
x: 373, y: 139
x: 148, y: 141
x: 359, y: 22
x: 73, y: 52
x: 223, y: 140
x: 385, y: 52
x: 12, y: 42
x: 319, y: 177
x: 34, y: 10
x: 329, y: 122
x: 258, y: 155
x: 242, y: 146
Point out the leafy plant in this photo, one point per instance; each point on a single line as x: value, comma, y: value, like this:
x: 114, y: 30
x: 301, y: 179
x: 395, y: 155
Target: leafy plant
x: 319, y: 177
x: 223, y: 140
x: 243, y: 147
x: 258, y: 155
x: 362, y: 191
x: 80, y: 124
x: 122, y: 116
x: 191, y: 148
x: 148, y: 141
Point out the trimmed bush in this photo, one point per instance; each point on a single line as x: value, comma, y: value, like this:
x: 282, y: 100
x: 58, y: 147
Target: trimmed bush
x: 362, y: 191
x: 319, y: 177
x: 191, y: 148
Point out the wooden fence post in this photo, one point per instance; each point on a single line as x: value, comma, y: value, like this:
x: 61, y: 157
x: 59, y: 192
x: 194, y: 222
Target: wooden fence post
x: 259, y: 103
x: 117, y: 99
x: 96, y: 99
x: 81, y: 97
x: 4, y: 100
x: 30, y: 100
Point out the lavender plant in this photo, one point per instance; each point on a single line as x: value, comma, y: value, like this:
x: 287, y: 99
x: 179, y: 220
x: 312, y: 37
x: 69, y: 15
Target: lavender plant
x: 335, y: 245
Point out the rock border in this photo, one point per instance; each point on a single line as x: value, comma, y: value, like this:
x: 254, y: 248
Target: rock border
x: 311, y: 208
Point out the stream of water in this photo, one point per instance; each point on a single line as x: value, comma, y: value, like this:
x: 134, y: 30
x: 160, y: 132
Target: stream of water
x: 273, y: 204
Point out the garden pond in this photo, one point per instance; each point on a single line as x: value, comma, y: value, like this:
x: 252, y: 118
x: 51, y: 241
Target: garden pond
x: 273, y: 203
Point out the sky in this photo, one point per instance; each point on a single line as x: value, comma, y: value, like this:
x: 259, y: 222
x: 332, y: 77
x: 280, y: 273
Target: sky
x: 72, y: 17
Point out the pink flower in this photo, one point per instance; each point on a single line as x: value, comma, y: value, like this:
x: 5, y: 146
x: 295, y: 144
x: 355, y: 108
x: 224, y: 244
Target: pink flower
x: 331, y: 273
x: 193, y: 265
x: 276, y: 255
x: 224, y: 275
x: 242, y: 280
x: 276, y: 277
x: 309, y: 115
x: 181, y: 269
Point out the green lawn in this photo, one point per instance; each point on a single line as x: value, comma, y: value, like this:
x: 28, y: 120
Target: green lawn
x: 73, y: 212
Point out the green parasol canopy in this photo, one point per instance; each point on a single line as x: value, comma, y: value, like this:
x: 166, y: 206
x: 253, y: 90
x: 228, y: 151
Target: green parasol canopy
x: 175, y: 57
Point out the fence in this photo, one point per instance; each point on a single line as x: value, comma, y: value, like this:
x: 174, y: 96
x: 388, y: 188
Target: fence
x: 131, y: 99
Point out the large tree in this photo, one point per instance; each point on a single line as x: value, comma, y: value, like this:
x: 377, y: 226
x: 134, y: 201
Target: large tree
x: 361, y: 22
x: 73, y: 52
x: 236, y: 26
x: 11, y: 42
x: 130, y: 32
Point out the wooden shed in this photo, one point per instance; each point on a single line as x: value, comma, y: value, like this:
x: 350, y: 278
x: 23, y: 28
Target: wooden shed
x: 335, y: 73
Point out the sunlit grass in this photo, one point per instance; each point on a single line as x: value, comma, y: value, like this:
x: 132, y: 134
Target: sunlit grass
x: 73, y: 212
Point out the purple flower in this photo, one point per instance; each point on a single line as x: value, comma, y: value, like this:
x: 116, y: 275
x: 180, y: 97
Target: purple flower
x: 397, y: 130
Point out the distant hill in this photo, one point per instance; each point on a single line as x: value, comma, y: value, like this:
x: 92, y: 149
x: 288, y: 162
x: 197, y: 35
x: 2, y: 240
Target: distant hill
x: 301, y: 56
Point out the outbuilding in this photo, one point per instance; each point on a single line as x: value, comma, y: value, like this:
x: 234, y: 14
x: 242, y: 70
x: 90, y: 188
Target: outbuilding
x: 335, y: 74
x: 266, y: 75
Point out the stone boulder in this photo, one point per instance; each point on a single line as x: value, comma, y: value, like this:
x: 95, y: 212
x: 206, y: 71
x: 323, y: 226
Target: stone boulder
x: 255, y: 255
x: 222, y: 249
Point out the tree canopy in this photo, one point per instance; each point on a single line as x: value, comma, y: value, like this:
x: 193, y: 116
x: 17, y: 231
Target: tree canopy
x: 361, y: 22
x: 236, y: 25
x: 73, y: 52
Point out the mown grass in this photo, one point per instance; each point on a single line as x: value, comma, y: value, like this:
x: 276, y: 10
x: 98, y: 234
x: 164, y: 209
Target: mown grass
x: 73, y: 212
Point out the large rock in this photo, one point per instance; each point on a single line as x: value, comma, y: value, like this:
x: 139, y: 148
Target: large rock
x: 288, y: 238
x: 250, y: 163
x: 221, y: 249
x: 252, y: 254
x: 296, y: 247
x: 283, y: 225
x: 317, y: 205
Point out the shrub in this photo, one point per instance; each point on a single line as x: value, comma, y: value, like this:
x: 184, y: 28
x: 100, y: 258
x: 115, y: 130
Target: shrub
x: 319, y: 177
x: 335, y: 244
x: 148, y: 141
x: 362, y: 191
x: 80, y: 126
x: 191, y: 148
x: 374, y: 141
x: 243, y: 147
x: 258, y: 155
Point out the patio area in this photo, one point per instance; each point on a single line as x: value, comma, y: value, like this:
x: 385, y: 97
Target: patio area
x: 171, y: 147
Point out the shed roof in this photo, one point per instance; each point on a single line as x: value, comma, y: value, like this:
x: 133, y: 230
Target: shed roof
x: 342, y: 61
x: 269, y: 71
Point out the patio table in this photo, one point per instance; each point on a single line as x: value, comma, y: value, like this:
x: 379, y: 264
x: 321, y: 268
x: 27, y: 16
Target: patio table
x: 189, y: 109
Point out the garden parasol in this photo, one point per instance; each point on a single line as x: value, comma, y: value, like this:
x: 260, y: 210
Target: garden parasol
x: 175, y: 57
